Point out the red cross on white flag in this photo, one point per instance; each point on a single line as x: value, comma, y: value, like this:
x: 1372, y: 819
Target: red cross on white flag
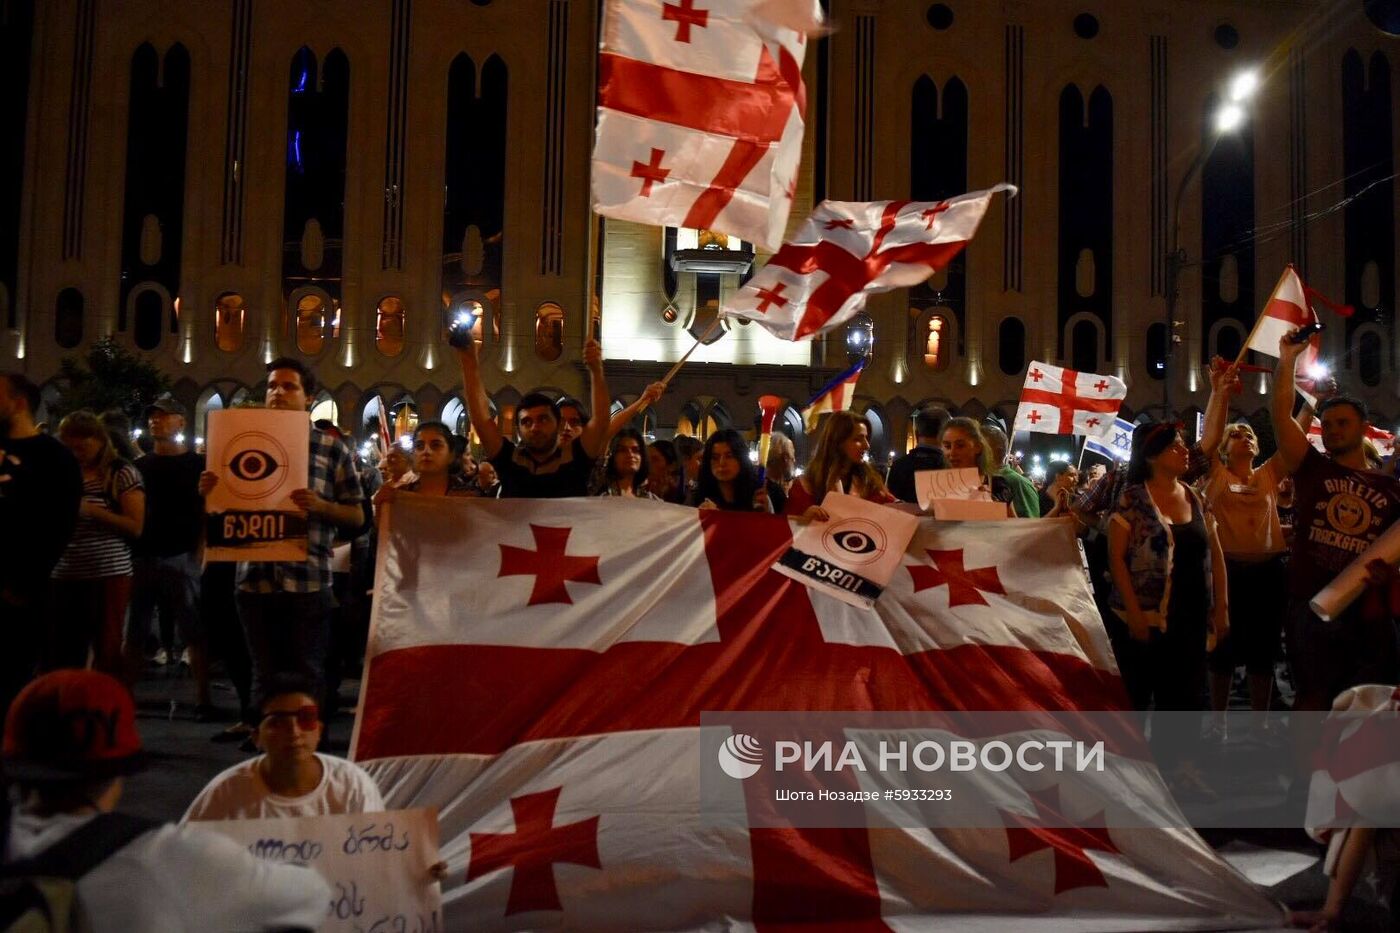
x: 1055, y: 400
x: 557, y: 739
x: 700, y: 113
x: 848, y: 250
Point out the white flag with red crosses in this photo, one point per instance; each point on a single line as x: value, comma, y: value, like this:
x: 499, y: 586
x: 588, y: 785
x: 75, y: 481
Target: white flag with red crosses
x: 700, y: 113
x: 537, y: 672
x: 1055, y: 400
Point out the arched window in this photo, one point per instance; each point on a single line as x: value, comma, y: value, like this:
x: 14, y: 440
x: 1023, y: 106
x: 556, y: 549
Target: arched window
x: 454, y: 415
x: 389, y: 325
x: 1229, y: 339
x: 230, y: 317
x: 549, y: 331
x: 1369, y: 357
x: 935, y: 342
x: 468, y: 308
x: 148, y: 311
x: 403, y: 418
x: 68, y: 318
x: 325, y: 408
x: 208, y: 401
x: 1011, y: 346
x: 312, y: 323
x: 1084, y: 347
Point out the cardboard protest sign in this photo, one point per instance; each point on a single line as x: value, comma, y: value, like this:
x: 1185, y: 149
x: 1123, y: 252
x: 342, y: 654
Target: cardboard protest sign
x: 957, y: 495
x: 261, y: 456
x: 853, y: 554
x: 378, y: 865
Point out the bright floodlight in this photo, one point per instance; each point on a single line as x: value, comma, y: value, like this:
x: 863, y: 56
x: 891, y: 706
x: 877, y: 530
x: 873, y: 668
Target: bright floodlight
x: 1243, y: 86
x: 1228, y: 118
x: 1318, y: 370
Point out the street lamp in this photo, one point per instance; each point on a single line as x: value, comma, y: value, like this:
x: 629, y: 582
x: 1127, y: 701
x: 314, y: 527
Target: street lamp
x: 1229, y: 118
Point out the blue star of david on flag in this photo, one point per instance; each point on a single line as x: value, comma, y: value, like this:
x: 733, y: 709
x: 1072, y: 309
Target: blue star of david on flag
x: 1116, y: 445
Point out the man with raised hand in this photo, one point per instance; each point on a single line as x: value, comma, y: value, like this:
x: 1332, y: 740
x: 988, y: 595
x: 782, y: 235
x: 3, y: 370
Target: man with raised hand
x: 539, y: 467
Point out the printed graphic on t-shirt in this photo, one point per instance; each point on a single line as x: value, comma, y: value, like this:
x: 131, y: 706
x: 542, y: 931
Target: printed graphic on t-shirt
x: 1349, y: 515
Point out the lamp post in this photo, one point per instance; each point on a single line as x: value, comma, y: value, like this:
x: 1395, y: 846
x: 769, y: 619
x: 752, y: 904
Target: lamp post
x: 1228, y: 118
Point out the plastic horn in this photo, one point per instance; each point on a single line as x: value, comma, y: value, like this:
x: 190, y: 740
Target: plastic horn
x: 768, y: 405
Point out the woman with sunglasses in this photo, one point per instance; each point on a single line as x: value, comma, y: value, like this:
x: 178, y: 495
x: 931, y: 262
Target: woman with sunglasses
x: 1244, y: 500
x: 290, y: 778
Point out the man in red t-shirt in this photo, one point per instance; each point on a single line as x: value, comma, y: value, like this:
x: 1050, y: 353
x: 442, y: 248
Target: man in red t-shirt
x: 1342, y: 507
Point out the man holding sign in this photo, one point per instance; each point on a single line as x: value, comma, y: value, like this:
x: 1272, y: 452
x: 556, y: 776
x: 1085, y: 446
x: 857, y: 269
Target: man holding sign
x: 285, y: 606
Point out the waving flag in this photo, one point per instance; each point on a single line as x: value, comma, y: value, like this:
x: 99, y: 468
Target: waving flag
x: 836, y: 395
x: 1383, y: 439
x: 848, y: 250
x: 537, y: 672
x: 1117, y: 444
x: 1063, y: 401
x: 700, y: 108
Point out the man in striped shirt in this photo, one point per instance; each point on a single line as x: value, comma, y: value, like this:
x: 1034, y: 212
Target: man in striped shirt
x: 286, y: 607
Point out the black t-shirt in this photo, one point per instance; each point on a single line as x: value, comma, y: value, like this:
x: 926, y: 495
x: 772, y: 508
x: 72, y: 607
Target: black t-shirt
x: 1340, y: 511
x: 901, y: 478
x: 174, y: 507
x: 40, y: 487
x: 563, y: 474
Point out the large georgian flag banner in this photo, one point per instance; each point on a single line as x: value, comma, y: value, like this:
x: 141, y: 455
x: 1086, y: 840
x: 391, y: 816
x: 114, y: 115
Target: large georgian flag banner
x: 1055, y: 400
x: 700, y: 109
x: 537, y: 672
x: 847, y: 250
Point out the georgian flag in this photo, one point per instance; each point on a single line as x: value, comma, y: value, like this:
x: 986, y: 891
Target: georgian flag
x: 700, y: 110
x: 537, y: 671
x: 1063, y: 401
x: 847, y: 250
x: 1357, y: 765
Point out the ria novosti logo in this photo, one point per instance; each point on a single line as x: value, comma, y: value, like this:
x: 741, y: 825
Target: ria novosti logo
x: 740, y: 756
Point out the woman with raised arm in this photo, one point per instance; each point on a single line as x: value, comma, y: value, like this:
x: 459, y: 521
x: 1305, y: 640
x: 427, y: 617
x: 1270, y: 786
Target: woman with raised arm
x: 838, y: 465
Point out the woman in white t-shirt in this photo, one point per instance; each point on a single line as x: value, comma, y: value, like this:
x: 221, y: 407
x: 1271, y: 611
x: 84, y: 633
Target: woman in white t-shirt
x: 1244, y: 502
x: 290, y: 778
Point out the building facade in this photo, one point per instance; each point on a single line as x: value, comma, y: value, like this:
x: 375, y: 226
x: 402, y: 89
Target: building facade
x: 213, y: 184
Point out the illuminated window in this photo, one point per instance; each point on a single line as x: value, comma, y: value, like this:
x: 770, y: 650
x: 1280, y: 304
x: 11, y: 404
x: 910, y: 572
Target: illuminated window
x: 389, y: 326
x: 473, y: 308
x: 935, y: 333
x: 230, y: 316
x: 549, y: 332
x: 311, y: 323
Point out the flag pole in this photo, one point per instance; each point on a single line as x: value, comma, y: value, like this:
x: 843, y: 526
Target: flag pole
x: 714, y: 325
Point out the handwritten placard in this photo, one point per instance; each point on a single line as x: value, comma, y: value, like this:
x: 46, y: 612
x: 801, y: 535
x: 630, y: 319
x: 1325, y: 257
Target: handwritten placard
x: 377, y: 864
x: 261, y: 457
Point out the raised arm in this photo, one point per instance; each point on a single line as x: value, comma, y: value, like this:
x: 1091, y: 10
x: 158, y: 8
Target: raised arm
x: 478, y: 406
x: 595, y: 434
x: 1292, y: 442
x: 1222, y: 383
x: 649, y: 396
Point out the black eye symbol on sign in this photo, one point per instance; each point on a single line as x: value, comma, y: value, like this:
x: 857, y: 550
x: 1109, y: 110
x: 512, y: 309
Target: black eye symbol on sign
x: 252, y: 465
x: 855, y: 542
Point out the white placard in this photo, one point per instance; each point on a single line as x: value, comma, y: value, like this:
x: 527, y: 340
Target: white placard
x: 853, y: 554
x: 1334, y: 598
x: 261, y: 456
x: 970, y: 510
x: 378, y: 865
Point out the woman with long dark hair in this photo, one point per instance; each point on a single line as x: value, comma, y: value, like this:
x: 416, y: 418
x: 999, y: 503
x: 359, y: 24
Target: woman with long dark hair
x: 92, y: 580
x: 727, y: 480
x: 1169, y: 588
x: 838, y: 465
x: 626, y: 470
x: 664, y: 472
x: 437, y: 469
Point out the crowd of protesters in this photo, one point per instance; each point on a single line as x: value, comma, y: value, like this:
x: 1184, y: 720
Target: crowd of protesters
x: 1195, y: 570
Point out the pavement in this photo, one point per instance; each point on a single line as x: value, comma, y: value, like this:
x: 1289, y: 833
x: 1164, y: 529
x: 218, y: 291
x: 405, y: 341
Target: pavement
x: 183, y: 759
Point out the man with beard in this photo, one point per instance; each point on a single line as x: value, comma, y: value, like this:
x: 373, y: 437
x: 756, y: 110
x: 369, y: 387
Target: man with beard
x: 540, y: 466
x: 40, y: 487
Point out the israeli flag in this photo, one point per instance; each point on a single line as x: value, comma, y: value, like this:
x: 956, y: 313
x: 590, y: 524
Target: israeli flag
x: 1117, y: 444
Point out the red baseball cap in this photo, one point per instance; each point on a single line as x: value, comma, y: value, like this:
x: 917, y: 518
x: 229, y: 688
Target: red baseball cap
x: 69, y: 725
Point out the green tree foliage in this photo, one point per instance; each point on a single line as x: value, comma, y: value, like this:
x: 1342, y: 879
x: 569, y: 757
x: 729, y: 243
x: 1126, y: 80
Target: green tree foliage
x: 109, y: 377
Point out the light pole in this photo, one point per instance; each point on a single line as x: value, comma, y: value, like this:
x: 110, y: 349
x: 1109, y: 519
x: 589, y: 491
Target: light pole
x: 1228, y: 118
